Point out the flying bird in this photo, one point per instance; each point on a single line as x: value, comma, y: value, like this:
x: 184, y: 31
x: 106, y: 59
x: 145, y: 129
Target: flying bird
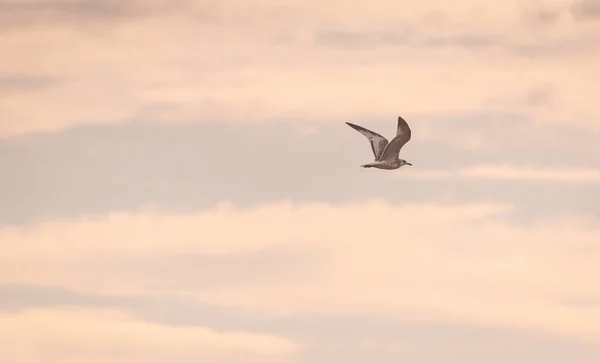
x: 386, y: 153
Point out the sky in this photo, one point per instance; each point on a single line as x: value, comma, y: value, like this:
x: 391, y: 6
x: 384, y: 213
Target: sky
x: 178, y: 183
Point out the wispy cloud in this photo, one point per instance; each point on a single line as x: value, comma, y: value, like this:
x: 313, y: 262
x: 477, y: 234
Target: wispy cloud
x: 17, y: 15
x: 99, y: 335
x: 586, y: 10
x: 22, y: 83
x: 507, y: 172
x: 549, y: 174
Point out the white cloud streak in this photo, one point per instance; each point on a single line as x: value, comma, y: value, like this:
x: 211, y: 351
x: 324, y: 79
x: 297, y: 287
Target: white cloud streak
x: 514, y: 173
x: 73, y: 335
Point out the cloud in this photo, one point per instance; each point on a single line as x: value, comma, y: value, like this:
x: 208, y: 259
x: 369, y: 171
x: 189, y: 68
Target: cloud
x: 98, y: 169
x: 101, y: 335
x: 16, y: 83
x: 507, y: 172
x: 142, y: 62
x: 460, y: 263
x: 584, y: 10
x: 16, y: 15
x: 348, y: 338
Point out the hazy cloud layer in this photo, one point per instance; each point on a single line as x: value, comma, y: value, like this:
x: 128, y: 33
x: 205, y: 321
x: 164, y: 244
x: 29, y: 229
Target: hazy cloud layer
x: 358, y: 266
x: 195, y: 61
x: 93, y: 170
x: 356, y: 338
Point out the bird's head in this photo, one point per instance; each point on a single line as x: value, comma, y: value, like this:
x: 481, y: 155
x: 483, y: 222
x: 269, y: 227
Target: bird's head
x: 404, y: 162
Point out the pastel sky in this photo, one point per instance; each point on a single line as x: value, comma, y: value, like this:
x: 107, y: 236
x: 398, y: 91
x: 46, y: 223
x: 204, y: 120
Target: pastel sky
x: 178, y: 183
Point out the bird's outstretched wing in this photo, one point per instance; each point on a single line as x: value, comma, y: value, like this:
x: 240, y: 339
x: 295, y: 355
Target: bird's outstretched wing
x: 402, y: 128
x: 403, y: 134
x: 378, y: 142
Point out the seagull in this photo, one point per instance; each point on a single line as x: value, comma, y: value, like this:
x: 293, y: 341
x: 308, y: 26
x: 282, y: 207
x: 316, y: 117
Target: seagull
x: 386, y: 153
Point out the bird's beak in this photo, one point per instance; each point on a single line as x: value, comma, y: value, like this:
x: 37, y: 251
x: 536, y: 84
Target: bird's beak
x: 409, y: 164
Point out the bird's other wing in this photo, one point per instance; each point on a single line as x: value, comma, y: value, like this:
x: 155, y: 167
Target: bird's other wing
x: 403, y: 135
x: 378, y: 142
x: 403, y: 129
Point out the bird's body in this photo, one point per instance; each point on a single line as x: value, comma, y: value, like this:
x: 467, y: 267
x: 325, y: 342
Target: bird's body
x: 386, y: 153
x: 387, y: 165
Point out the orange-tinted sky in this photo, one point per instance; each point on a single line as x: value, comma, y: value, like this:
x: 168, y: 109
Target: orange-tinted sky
x: 178, y: 183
